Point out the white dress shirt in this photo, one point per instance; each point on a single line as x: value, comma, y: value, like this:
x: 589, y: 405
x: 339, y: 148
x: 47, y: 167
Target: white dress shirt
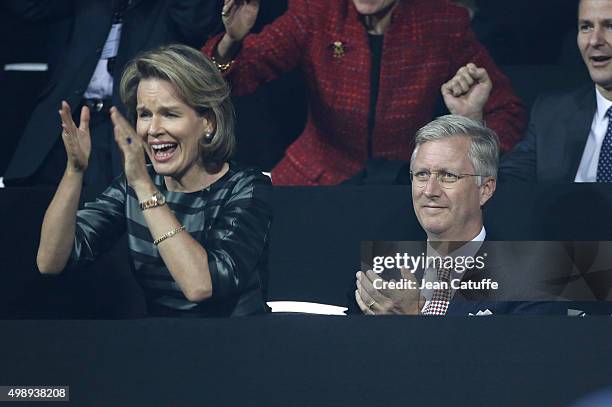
x: 587, y: 172
x: 101, y: 83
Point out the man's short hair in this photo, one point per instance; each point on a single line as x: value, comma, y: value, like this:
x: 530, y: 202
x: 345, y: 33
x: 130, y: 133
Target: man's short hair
x: 484, y: 146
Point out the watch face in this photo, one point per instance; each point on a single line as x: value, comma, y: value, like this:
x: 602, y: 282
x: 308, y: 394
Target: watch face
x: 161, y: 199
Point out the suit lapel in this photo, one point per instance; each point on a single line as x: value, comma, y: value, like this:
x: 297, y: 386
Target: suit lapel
x: 465, y: 302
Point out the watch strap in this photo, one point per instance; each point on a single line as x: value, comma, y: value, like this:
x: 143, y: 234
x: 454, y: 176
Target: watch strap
x: 157, y: 199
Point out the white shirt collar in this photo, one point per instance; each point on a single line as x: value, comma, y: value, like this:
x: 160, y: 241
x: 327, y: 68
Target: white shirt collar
x: 603, y: 105
x: 587, y: 170
x: 466, y: 249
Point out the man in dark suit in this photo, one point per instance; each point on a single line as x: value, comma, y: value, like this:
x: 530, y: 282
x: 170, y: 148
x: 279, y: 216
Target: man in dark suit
x: 570, y: 134
x: 105, y: 36
x: 500, y: 281
x: 457, y: 272
x: 454, y: 172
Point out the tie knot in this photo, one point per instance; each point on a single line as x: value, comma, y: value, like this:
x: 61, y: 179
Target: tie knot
x: 609, y: 113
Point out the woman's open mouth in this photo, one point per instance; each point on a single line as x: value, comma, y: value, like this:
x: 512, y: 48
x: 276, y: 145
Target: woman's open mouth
x: 163, y: 152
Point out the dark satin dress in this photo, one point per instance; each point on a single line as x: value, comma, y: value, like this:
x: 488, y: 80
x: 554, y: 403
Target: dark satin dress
x: 230, y: 218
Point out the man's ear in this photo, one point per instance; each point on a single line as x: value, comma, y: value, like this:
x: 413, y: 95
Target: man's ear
x: 487, y: 189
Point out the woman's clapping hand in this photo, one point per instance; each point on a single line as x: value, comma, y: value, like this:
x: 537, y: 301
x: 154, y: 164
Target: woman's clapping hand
x: 77, y: 140
x: 132, y: 148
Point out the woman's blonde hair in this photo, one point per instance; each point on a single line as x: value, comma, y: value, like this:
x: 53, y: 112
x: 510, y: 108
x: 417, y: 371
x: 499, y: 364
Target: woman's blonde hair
x: 197, y: 82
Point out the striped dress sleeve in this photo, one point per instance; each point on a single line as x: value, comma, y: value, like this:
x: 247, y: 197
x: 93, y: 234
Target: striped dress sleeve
x: 100, y: 224
x: 236, y: 242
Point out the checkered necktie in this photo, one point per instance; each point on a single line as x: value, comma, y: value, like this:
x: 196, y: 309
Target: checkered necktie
x: 604, y: 167
x: 441, y: 296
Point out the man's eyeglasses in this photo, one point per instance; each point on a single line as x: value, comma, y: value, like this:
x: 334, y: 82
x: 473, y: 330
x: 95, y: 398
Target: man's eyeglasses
x: 447, y: 180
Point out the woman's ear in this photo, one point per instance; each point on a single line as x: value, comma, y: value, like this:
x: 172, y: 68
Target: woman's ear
x: 209, y: 127
x: 210, y: 124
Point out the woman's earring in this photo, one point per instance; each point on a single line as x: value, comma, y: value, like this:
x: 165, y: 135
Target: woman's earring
x: 208, y: 137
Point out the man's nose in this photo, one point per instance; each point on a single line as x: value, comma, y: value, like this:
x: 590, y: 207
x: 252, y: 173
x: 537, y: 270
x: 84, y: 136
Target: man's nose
x: 432, y: 187
x: 597, y: 37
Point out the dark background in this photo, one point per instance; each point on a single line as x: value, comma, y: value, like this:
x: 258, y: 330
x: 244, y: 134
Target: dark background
x: 312, y: 361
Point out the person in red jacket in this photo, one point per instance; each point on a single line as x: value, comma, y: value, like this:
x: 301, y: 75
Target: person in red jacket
x: 374, y: 71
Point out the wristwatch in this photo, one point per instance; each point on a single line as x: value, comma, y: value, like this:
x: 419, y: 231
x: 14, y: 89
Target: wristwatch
x: 158, y: 199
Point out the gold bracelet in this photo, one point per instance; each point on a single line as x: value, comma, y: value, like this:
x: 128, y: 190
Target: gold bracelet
x: 222, y: 67
x: 168, y: 235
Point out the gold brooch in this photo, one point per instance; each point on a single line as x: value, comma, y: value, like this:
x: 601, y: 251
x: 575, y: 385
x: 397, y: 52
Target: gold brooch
x: 338, y: 49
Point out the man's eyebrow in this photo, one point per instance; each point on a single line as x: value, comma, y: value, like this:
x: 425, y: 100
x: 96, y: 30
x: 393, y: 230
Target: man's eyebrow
x: 436, y: 170
x: 586, y: 21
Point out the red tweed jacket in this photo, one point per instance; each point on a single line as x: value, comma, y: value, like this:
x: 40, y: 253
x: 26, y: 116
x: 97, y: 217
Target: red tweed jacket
x: 425, y: 44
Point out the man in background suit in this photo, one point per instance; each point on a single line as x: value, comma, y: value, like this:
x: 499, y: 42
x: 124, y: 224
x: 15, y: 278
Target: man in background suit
x: 570, y: 134
x: 105, y: 36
